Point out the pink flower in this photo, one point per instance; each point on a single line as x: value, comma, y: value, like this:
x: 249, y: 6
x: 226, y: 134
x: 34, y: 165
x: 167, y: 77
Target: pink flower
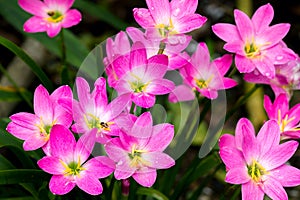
x: 140, y: 77
x: 152, y: 45
x: 49, y: 16
x: 49, y: 110
x: 93, y: 110
x: 69, y: 166
x: 258, y: 162
x: 252, y: 40
x: 139, y: 152
x: 287, y: 119
x: 205, y: 76
x: 169, y: 18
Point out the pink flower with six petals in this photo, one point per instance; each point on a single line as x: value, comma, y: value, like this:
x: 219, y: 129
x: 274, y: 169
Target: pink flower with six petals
x: 49, y: 16
x: 258, y: 162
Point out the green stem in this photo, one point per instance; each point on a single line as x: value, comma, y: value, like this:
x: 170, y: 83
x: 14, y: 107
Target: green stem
x: 64, y: 69
x: 162, y: 47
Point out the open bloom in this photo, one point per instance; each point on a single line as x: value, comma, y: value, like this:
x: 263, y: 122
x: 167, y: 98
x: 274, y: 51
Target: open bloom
x: 69, y: 166
x: 205, y: 76
x: 50, y: 15
x: 169, y: 18
x: 49, y: 110
x: 258, y: 162
x: 252, y: 40
x: 140, y: 77
x: 288, y: 119
x: 93, y: 110
x: 138, y: 152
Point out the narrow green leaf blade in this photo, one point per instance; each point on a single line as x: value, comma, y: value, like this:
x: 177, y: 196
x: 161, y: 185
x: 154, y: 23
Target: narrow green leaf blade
x: 16, y: 176
x: 151, y: 193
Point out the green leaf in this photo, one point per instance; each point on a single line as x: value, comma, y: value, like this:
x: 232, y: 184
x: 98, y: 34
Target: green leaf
x: 151, y: 193
x: 11, y: 94
x: 101, y: 13
x: 16, y: 176
x: 28, y: 60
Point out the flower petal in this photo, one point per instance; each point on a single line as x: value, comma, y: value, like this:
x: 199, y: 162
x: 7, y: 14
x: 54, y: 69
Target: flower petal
x: 100, y: 166
x: 143, y: 17
x: 143, y: 100
x: 160, y: 11
x: 51, y: 165
x: 35, y: 7
x: 146, y: 179
x: 188, y: 23
x: 288, y: 176
x: 237, y: 175
x: 244, y: 25
x: 274, y: 189
x: 60, y: 184
x: 138, y: 55
x: 35, y: 24
x: 180, y: 8
x: 158, y: 160
x: 88, y: 183
x: 181, y: 93
x: 71, y: 18
x: 142, y: 127
x: 160, y: 87
x: 85, y: 145
x: 34, y: 142
x: 53, y: 29
x: 157, y: 66
x: 227, y: 32
x: 275, y: 33
x: 262, y: 17
x: 43, y: 106
x: 243, y: 64
x: 268, y: 136
x: 251, y: 191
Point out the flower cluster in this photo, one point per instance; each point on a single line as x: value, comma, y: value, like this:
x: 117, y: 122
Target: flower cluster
x: 136, y: 65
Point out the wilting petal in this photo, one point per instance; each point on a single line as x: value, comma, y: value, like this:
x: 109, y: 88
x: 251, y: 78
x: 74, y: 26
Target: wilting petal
x: 60, y: 184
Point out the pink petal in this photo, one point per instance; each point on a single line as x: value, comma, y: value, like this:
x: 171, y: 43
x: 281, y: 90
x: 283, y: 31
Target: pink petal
x: 223, y: 63
x: 35, y: 24
x: 61, y: 184
x: 268, y: 136
x: 265, y: 66
x: 274, y: 189
x: 146, y: 179
x: 35, y: 7
x: 85, y: 145
x: 88, y: 183
x: 115, y: 107
x: 142, y: 127
x: 160, y: 87
x: 157, y: 66
x: 123, y: 169
x: 243, y: 64
x: 143, y: 17
x: 288, y: 176
x: 51, y: 165
x: 158, y: 160
x: 226, y: 32
x: 19, y: 131
x: 181, y: 93
x: 62, y: 116
x: 162, y: 136
x: 275, y: 33
x: 244, y: 25
x: 143, y: 100
x: 251, y: 191
x: 71, y: 18
x: 99, y: 93
x: 62, y: 92
x: 262, y: 17
x: 244, y: 126
x: 62, y: 142
x: 237, y: 175
x: 83, y: 91
x: 189, y: 22
x: 160, y: 11
x: 120, y: 66
x: 115, y: 150
x: 201, y: 56
x: 100, y: 166
x: 228, y: 151
x: 25, y: 120
x: 209, y: 93
x: 34, y: 142
x: 180, y: 8
x: 228, y: 83
x: 236, y: 47
x: 43, y: 106
x: 53, y: 29
x: 279, y: 155
x: 62, y: 5
x: 138, y: 55
x: 177, y: 61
